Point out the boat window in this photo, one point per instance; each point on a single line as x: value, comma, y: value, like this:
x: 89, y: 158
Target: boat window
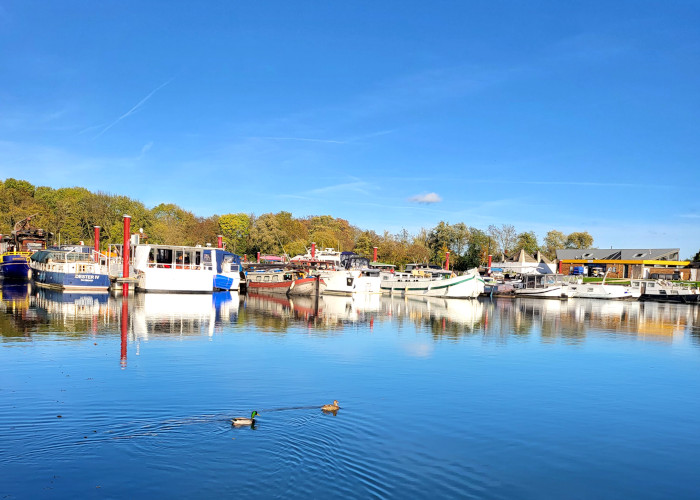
x: 267, y: 278
x: 197, y: 258
x: 164, y: 256
x: 651, y: 285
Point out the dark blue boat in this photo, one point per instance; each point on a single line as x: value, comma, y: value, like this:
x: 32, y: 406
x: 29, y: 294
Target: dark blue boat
x: 69, y: 268
x: 17, y: 247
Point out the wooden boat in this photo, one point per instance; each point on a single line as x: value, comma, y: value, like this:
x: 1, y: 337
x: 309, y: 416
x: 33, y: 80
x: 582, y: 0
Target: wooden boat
x: 284, y: 282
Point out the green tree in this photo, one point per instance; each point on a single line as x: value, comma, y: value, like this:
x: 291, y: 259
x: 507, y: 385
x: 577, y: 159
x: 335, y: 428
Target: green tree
x: 579, y: 240
x: 366, y: 242
x: 235, y: 228
x: 528, y: 242
x: 439, y: 240
x: 266, y: 235
x: 553, y: 241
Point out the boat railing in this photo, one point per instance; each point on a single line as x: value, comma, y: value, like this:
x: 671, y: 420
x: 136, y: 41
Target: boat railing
x: 16, y: 252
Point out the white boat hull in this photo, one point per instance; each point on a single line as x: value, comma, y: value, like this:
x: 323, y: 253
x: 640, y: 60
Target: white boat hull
x: 603, y: 291
x: 350, y: 282
x: 551, y: 292
x: 466, y: 286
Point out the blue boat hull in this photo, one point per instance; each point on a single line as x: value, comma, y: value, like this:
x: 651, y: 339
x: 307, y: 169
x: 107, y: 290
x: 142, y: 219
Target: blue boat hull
x: 14, y: 267
x: 54, y: 279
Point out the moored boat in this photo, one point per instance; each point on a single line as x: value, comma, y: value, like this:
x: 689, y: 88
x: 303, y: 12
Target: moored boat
x: 16, y: 249
x: 170, y: 269
x: 666, y: 291
x: 284, y: 282
x: 69, y: 268
x: 356, y: 277
x: 547, y: 286
x: 602, y: 291
x: 431, y: 282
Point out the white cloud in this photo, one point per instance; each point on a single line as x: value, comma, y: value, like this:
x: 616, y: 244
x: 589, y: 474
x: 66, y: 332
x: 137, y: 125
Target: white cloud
x: 426, y: 198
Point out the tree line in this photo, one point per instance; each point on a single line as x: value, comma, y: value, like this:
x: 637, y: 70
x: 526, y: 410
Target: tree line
x: 71, y: 213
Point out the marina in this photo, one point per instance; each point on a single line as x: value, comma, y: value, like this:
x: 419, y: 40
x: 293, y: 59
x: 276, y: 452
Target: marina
x: 184, y: 365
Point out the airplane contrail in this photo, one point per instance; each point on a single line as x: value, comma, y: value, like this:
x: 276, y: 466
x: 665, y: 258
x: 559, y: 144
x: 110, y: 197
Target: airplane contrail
x: 133, y: 109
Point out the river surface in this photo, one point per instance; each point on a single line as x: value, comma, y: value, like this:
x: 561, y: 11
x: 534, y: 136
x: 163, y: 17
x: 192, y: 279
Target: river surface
x: 104, y: 397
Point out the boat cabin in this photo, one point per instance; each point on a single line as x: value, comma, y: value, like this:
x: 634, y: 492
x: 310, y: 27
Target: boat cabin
x: 192, y: 258
x: 274, y: 276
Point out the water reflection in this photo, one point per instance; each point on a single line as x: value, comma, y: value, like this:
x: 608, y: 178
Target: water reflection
x: 182, y: 314
x: 28, y: 311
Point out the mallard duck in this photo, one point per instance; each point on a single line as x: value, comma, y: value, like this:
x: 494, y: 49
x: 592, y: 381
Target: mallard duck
x: 245, y: 421
x: 332, y: 407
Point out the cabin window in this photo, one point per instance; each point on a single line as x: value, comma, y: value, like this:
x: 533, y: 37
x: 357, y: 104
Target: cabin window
x: 267, y: 278
x: 651, y: 285
x: 164, y: 256
x: 197, y: 258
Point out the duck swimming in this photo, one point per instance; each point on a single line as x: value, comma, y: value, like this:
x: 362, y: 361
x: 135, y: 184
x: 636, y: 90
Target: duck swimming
x: 245, y: 421
x: 331, y: 407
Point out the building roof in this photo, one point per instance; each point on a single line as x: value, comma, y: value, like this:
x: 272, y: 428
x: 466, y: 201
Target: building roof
x: 619, y: 254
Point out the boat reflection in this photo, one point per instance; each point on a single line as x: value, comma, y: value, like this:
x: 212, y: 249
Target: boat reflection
x: 26, y: 311
x: 444, y: 317
x: 19, y: 318
x: 182, y: 314
x: 572, y: 320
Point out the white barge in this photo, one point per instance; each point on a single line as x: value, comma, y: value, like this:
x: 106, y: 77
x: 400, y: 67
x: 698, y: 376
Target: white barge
x: 168, y: 268
x: 430, y: 282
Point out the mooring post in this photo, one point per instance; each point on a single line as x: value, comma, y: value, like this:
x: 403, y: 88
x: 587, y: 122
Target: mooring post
x: 375, y: 255
x: 126, y: 254
x: 124, y: 329
x: 220, y: 241
x: 97, y: 243
x: 447, y: 261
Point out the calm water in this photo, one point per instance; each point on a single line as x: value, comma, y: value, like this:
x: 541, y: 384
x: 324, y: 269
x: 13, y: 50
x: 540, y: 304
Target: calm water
x: 441, y: 399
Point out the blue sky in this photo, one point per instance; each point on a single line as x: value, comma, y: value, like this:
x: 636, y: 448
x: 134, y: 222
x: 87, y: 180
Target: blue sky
x: 545, y: 115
